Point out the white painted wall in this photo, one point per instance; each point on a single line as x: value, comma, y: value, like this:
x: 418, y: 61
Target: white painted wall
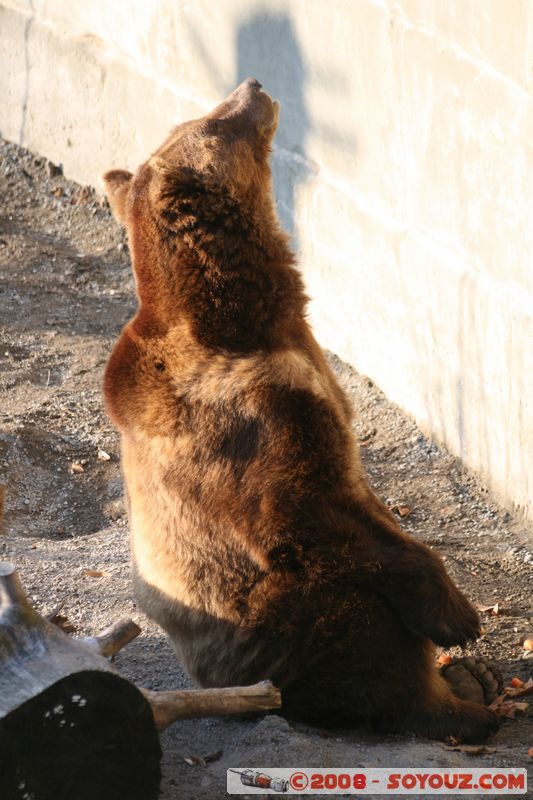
x: 403, y: 167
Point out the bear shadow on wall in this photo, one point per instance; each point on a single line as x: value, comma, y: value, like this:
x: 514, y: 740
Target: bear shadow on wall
x: 267, y: 49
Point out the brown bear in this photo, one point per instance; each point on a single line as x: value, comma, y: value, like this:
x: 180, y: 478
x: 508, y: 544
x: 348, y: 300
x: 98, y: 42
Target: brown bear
x: 257, y: 543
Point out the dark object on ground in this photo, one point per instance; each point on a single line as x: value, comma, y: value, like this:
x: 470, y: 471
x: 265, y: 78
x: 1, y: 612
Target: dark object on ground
x: 70, y: 726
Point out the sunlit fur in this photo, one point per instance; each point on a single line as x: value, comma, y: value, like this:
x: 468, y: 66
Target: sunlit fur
x: 256, y: 540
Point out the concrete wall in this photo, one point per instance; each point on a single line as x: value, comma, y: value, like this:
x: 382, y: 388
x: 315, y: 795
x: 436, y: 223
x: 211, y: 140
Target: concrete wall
x: 403, y: 167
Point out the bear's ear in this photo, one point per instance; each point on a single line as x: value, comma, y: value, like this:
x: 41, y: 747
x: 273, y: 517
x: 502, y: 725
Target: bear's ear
x: 116, y: 186
x: 172, y: 179
x: 174, y: 175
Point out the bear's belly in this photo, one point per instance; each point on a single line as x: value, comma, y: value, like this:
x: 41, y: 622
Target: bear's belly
x: 190, y: 564
x: 212, y: 650
x: 195, y: 584
x: 175, y: 549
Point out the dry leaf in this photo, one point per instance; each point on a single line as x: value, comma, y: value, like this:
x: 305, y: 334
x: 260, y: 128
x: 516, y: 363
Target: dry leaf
x: 401, y: 510
x: 494, y: 609
x: 95, y: 573
x: 472, y: 749
x: 193, y: 761
x: 519, y: 689
x: 201, y: 761
x: 63, y: 623
x: 214, y: 757
x: 76, y: 467
x: 507, y: 708
x: 452, y: 741
x: 56, y: 610
x: 59, y: 620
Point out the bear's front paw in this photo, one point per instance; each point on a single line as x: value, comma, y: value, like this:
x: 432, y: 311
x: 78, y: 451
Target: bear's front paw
x: 443, y: 615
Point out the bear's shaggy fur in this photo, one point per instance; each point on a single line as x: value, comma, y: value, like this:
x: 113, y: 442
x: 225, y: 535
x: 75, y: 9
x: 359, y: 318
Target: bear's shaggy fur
x: 256, y: 541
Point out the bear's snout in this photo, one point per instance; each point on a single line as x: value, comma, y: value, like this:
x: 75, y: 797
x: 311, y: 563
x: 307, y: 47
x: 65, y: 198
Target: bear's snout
x: 248, y: 106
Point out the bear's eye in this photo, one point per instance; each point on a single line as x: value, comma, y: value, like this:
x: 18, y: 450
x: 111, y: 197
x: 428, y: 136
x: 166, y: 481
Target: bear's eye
x: 159, y: 365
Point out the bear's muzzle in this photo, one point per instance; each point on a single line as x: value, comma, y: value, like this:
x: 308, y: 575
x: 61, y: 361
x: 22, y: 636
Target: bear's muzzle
x: 248, y: 106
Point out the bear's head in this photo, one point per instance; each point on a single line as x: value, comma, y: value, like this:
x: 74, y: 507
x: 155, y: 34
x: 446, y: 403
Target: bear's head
x: 228, y: 150
x: 204, y: 237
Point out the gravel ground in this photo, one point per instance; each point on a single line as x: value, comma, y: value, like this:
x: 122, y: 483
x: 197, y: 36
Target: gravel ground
x: 65, y: 292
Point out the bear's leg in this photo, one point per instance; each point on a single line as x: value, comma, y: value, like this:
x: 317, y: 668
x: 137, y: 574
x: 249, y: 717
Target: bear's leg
x: 363, y: 666
x: 438, y: 713
x: 403, y: 694
x: 447, y: 715
x: 429, y: 603
x: 413, y: 579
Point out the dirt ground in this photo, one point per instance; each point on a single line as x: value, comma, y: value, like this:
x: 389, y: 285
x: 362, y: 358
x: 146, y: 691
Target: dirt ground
x: 65, y: 292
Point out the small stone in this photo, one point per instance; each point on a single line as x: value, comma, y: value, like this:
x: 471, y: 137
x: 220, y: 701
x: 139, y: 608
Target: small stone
x: 54, y: 169
x: 103, y: 456
x: 76, y: 468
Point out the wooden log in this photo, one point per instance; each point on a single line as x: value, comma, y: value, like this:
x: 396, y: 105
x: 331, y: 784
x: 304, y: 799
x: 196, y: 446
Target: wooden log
x: 167, y: 707
x: 70, y: 726
x: 112, y: 639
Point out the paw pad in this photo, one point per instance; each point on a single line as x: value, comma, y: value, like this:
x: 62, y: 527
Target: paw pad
x: 474, y: 679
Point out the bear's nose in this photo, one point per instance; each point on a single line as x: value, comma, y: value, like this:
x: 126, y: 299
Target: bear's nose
x: 246, y: 107
x: 251, y: 83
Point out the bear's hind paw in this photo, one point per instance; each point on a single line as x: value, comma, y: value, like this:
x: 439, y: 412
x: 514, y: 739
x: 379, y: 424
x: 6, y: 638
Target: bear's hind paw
x: 473, y: 678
